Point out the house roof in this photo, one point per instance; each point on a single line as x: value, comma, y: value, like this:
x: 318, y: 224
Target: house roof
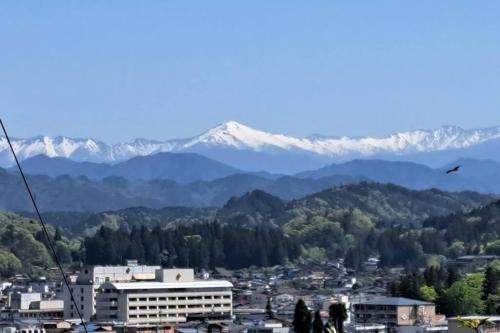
x: 397, y: 301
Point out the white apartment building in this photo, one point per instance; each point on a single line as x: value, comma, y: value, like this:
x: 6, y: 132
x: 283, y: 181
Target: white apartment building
x: 174, y: 297
x: 86, y: 286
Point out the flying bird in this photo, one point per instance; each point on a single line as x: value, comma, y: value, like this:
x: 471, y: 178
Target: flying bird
x: 455, y: 169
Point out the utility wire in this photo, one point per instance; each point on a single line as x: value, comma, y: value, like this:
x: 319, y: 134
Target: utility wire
x: 44, y: 228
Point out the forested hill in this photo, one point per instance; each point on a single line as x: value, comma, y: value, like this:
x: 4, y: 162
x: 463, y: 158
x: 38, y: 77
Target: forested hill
x: 23, y: 246
x: 350, y: 222
x: 379, y: 203
x: 391, y: 203
x: 479, y: 228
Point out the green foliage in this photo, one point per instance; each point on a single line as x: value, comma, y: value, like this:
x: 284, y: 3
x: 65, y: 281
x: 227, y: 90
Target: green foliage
x: 464, y: 297
x: 456, y: 249
x: 409, y: 285
x: 493, y: 248
x: 491, y: 288
x: 22, y: 246
x: 197, y: 245
x: 9, y: 264
x: 315, y: 254
x: 428, y: 293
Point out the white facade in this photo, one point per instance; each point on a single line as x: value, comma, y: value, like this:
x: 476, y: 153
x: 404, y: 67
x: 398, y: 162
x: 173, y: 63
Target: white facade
x: 174, y: 297
x: 22, y: 301
x: 87, y: 284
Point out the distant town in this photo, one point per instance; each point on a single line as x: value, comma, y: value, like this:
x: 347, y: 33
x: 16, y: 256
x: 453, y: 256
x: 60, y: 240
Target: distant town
x: 140, y: 298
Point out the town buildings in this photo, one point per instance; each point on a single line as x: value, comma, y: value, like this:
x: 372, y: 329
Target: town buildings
x: 397, y: 314
x: 175, y: 296
x: 85, y: 286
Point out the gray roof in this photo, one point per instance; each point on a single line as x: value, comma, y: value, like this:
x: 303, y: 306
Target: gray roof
x: 398, y: 301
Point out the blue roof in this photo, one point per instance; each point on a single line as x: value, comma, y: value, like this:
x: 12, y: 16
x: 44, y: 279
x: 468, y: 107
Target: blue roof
x: 90, y: 328
x: 398, y: 301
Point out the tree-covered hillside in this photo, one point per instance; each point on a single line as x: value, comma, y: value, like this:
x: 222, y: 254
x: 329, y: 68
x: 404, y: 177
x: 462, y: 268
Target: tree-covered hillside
x: 23, y: 246
x: 403, y: 227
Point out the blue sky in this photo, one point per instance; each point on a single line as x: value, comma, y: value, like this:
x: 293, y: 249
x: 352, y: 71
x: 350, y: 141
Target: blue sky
x: 116, y: 70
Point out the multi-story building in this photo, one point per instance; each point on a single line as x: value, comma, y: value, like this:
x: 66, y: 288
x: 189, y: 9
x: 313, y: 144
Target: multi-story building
x: 86, y: 286
x: 396, y: 313
x: 174, y: 297
x: 25, y: 306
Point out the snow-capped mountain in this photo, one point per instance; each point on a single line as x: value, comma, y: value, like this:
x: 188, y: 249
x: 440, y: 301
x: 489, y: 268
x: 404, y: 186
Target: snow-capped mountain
x: 251, y: 149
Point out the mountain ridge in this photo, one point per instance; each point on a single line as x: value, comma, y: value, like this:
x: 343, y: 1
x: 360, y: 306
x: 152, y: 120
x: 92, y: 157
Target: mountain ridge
x: 251, y: 149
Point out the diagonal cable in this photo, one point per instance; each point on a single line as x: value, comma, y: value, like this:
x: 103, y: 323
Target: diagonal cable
x: 44, y: 228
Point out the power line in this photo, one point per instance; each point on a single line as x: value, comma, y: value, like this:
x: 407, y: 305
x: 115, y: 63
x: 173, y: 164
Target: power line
x: 44, y: 228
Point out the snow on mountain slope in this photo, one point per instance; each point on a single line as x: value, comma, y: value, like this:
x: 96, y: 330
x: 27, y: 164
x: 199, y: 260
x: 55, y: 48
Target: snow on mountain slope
x: 235, y: 136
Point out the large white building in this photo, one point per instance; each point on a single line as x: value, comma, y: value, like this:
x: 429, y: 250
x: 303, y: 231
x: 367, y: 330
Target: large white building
x: 174, y: 297
x: 86, y: 285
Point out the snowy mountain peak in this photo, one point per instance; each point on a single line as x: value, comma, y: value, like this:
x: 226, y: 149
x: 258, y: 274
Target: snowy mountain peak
x: 232, y: 135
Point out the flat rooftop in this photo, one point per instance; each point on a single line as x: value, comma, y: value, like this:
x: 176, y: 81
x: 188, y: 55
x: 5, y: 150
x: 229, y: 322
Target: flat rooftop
x: 171, y: 285
x: 396, y: 301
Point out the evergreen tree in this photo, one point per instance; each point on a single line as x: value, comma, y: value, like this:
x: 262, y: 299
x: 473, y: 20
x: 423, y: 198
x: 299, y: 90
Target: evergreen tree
x: 57, y: 235
x: 269, y: 309
x: 317, y: 325
x: 338, y: 314
x: 491, y: 279
x: 301, y: 318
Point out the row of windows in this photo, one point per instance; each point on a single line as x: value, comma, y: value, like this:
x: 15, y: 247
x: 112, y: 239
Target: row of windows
x: 381, y: 316
x: 183, y: 306
x: 179, y: 298
x: 375, y: 307
x: 40, y: 315
x: 155, y: 316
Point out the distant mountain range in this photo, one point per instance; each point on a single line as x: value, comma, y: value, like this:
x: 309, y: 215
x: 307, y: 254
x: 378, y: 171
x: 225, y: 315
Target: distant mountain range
x: 81, y: 193
x: 69, y: 193
x: 187, y: 169
x: 475, y: 175
x: 249, y: 149
x: 180, y: 167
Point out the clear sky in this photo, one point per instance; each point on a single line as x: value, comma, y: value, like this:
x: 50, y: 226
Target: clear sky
x: 116, y: 70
